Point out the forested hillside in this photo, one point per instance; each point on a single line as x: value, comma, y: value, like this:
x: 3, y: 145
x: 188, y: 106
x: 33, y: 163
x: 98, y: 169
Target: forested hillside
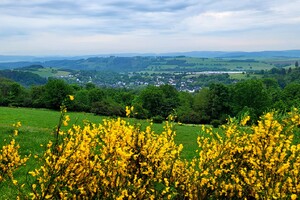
x: 160, y: 63
x: 24, y: 78
x: 276, y: 89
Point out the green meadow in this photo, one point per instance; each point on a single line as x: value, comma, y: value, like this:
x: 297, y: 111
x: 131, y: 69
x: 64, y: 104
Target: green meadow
x: 39, y: 124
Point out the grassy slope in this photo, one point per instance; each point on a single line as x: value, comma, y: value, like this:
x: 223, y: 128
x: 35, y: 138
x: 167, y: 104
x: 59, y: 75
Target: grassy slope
x: 38, y: 125
x: 50, y: 72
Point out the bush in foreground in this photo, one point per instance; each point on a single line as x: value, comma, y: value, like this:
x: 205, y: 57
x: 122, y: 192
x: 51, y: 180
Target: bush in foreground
x: 117, y: 160
x: 258, y: 162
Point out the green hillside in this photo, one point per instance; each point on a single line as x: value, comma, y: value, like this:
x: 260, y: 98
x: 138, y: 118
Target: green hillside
x: 161, y: 64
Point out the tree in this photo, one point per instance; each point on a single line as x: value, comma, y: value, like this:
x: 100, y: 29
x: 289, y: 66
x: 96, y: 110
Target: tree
x: 151, y: 99
x: 201, y: 105
x: 37, y: 95
x: 124, y: 97
x: 108, y: 108
x: 89, y: 86
x: 274, y: 91
x: 12, y: 93
x: 185, y: 109
x: 291, y: 95
x: 296, y: 64
x: 218, y: 102
x: 170, y: 99
x: 250, y: 95
x: 213, y: 103
x: 96, y: 95
x: 81, y: 101
x: 56, y: 90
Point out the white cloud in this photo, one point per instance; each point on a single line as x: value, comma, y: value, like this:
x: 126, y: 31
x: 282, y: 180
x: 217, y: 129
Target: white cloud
x: 66, y: 26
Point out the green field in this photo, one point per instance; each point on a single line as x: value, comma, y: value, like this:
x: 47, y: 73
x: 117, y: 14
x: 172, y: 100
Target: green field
x: 245, y: 76
x: 50, y: 72
x: 38, y: 125
x: 214, y: 63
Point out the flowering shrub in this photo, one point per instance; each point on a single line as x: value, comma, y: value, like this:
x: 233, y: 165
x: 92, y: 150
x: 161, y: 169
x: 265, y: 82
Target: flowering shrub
x: 250, y: 162
x: 117, y: 160
x: 112, y: 160
x: 10, y: 160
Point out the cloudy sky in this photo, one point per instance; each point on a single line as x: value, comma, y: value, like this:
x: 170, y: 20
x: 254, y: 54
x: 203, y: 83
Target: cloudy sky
x: 85, y: 27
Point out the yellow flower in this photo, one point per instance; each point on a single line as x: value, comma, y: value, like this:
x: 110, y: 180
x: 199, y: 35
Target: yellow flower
x: 71, y: 97
x: 65, y: 123
x: 48, y: 196
x: 128, y: 110
x: 293, y: 196
x: 67, y: 118
x: 119, y: 160
x: 18, y: 124
x: 15, y: 182
x: 245, y: 120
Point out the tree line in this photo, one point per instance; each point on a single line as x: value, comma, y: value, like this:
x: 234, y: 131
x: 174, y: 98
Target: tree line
x: 212, y: 104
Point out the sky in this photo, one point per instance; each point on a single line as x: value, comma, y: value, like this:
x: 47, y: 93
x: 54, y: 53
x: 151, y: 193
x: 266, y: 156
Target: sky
x: 91, y: 27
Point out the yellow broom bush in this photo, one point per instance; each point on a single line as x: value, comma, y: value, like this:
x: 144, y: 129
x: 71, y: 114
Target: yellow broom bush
x: 112, y: 160
x: 118, y: 160
x: 258, y: 162
x: 10, y: 159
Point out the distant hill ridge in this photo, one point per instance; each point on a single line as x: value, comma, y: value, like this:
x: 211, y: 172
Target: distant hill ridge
x: 229, y: 54
x: 207, y: 54
x: 132, y: 61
